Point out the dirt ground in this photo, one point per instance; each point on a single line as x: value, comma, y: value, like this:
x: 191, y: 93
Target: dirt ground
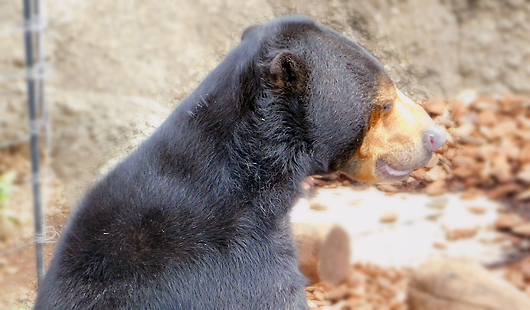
x: 375, y: 285
x: 17, y: 252
x: 118, y: 68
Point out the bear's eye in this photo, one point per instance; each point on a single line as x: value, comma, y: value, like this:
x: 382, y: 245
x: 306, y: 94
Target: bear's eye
x: 387, y: 107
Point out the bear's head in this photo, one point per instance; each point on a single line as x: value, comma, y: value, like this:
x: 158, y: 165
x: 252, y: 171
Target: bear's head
x: 355, y: 118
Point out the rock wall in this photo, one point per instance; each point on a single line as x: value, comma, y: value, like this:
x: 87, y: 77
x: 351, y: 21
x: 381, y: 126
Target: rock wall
x: 121, y: 66
x: 436, y: 48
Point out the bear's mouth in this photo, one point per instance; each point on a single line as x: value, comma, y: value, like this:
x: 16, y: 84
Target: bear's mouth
x: 390, y: 173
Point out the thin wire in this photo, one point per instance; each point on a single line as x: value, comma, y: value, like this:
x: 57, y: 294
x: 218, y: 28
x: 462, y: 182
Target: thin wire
x: 49, y: 235
x: 40, y: 123
x: 34, y: 24
x: 38, y: 72
x: 14, y: 142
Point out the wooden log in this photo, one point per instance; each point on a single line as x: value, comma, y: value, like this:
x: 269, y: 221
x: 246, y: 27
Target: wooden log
x: 324, y: 252
x: 462, y: 285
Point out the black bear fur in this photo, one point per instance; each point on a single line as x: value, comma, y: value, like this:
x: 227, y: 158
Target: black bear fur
x: 197, y: 217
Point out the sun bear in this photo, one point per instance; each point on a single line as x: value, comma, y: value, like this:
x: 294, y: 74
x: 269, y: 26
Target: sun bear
x: 197, y: 217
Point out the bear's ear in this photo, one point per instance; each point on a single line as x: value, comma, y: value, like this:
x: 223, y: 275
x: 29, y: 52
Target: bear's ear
x: 248, y: 30
x: 289, y: 73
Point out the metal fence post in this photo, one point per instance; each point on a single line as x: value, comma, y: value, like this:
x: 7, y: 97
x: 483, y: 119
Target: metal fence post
x: 31, y: 15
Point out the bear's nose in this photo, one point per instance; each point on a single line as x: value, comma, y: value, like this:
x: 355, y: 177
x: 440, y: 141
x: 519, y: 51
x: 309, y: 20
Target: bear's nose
x: 434, y: 138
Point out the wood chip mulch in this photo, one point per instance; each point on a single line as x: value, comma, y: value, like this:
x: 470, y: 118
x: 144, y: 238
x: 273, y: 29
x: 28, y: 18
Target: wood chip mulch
x: 367, y: 287
x: 487, y: 154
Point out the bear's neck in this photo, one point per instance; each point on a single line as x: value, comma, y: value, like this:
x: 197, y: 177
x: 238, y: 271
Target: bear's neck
x: 252, y: 158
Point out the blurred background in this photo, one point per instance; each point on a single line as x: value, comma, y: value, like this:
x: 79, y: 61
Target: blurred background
x: 115, y: 69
